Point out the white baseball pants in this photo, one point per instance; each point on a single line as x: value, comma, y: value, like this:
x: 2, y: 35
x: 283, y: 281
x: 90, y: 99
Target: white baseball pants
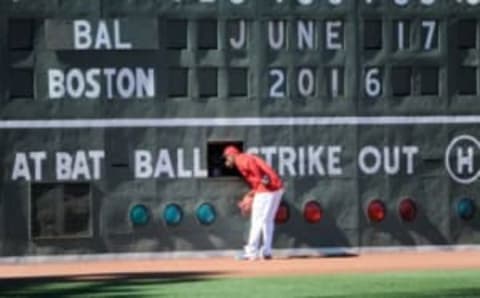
x: 262, y: 222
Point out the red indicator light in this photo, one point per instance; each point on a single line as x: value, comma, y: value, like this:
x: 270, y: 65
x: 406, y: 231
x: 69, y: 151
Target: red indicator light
x: 312, y: 212
x: 376, y: 211
x: 407, y: 209
x: 283, y: 213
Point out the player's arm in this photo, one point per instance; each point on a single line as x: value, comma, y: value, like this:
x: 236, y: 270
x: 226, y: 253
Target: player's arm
x: 255, y: 176
x: 273, y: 178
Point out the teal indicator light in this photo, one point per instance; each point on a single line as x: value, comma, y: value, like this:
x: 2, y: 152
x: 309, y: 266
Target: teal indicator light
x: 172, y: 214
x: 466, y: 209
x: 206, y: 214
x: 139, y: 215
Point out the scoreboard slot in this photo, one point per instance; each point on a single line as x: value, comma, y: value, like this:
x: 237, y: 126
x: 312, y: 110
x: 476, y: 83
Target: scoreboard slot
x: 20, y: 34
x: 429, y: 78
x: 467, y: 80
x: 466, y: 34
x: 176, y: 34
x: 207, y: 34
x: 238, y: 81
x: 21, y: 83
x: 373, y: 34
x: 402, y: 81
x: 207, y: 79
x: 178, y: 82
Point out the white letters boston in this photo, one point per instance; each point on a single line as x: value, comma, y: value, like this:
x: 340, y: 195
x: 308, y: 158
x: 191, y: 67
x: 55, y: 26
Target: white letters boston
x: 94, y: 83
x: 79, y: 77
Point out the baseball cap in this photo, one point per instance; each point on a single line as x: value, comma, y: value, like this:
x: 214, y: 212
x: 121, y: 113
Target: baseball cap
x: 230, y: 150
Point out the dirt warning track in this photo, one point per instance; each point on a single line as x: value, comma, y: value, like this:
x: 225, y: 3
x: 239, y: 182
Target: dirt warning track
x: 228, y: 267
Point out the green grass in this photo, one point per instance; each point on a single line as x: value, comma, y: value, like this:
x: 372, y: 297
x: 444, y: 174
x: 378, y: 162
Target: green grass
x: 391, y: 285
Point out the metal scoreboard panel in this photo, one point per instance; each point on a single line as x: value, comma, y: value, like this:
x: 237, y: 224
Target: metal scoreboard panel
x: 116, y: 103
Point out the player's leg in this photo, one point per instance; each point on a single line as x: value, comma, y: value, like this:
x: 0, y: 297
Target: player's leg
x: 256, y: 224
x: 268, y: 226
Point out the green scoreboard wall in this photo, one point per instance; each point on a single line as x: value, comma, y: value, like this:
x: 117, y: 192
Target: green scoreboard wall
x: 114, y: 114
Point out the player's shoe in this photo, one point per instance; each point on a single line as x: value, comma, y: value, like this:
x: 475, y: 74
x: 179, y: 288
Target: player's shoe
x: 244, y: 257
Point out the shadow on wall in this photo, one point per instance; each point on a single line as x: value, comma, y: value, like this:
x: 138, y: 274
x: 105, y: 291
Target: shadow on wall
x: 297, y: 233
x: 404, y: 232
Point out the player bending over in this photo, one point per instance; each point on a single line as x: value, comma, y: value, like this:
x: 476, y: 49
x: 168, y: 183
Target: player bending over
x: 266, y: 190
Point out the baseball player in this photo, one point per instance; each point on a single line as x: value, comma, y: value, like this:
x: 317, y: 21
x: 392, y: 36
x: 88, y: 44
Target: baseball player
x: 267, y: 190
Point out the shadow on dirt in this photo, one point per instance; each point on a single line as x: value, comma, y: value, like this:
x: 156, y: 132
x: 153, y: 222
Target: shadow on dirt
x: 125, y: 284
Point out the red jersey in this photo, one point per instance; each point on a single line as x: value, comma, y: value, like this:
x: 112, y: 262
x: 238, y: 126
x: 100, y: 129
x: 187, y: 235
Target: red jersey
x: 257, y: 172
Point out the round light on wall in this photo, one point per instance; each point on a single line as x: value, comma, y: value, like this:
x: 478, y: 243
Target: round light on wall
x: 376, y: 211
x: 206, y: 214
x: 139, y: 215
x: 466, y: 208
x: 172, y: 214
x: 407, y: 209
x: 312, y: 212
x: 283, y: 213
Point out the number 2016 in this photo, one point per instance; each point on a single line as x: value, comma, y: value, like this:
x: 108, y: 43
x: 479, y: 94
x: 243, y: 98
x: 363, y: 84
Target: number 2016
x: 304, y: 81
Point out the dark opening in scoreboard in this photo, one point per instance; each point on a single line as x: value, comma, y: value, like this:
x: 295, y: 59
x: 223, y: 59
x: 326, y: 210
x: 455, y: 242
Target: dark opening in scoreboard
x: 368, y: 56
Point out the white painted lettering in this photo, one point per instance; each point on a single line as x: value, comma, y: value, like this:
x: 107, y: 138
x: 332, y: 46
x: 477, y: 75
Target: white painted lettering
x: 125, y: 83
x: 118, y: 42
x: 410, y: 152
x: 80, y: 166
x: 63, y: 162
x: 81, y: 33
x: 305, y: 34
x: 143, y: 164
x: 181, y: 171
x: 56, y: 83
x: 465, y: 159
x: 373, y: 153
x: 21, y: 169
x: 102, y: 40
x: 164, y: 164
x: 286, y: 161
x: 276, y: 34
x: 334, y: 167
x: 93, y: 89
x: 96, y: 156
x: 333, y: 40
x: 94, y: 82
x: 315, y: 165
x: 197, y: 170
x: 241, y: 40
x: 38, y: 158
x: 392, y: 160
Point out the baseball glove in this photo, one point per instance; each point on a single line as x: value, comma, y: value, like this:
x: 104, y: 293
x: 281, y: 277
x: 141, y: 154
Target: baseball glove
x: 245, y: 204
